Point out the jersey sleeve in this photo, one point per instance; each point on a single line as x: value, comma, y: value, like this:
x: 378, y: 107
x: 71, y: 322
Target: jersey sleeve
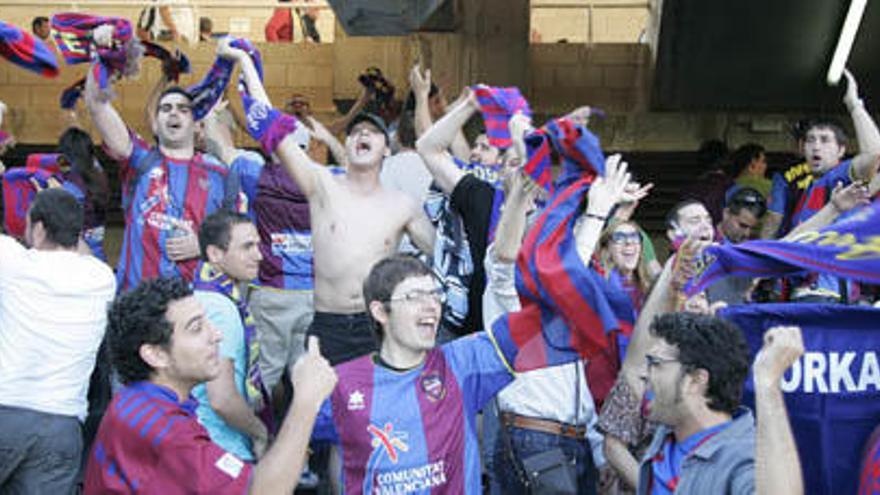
x: 245, y: 171
x: 842, y: 173
x: 191, y: 463
x: 130, y: 166
x: 778, y: 195
x: 479, y: 367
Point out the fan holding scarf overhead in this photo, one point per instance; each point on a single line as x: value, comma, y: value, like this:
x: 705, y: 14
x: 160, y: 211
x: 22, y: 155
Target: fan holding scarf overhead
x: 569, y: 311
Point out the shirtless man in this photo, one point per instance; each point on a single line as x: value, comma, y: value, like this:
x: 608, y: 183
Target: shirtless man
x: 355, y: 223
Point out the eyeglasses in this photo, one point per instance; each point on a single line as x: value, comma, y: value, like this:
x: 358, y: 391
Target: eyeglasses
x: 437, y: 294
x: 626, y: 238
x: 654, y: 361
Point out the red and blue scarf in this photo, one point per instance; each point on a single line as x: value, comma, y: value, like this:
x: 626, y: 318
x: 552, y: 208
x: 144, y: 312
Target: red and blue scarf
x: 497, y: 106
x: 73, y: 35
x: 848, y: 248
x: 569, y: 311
x: 22, y: 49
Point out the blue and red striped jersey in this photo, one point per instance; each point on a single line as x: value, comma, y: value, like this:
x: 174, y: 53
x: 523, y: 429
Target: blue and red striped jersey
x: 414, y: 431
x: 148, y: 442
x: 161, y: 197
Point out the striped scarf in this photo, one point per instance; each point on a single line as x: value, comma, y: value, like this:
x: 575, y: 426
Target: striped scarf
x: 22, y: 49
x: 210, y: 279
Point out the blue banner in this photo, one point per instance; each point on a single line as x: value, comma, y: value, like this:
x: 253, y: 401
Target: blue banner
x: 832, y: 392
x: 848, y: 248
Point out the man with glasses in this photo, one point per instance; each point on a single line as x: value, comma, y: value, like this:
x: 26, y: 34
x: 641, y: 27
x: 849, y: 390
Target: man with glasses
x: 405, y: 417
x: 707, y: 441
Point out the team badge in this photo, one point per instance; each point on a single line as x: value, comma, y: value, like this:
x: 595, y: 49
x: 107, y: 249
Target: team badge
x: 433, y: 386
x: 356, y: 401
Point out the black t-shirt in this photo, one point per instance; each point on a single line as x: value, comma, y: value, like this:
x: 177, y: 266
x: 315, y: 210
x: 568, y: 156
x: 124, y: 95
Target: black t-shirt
x: 472, y: 199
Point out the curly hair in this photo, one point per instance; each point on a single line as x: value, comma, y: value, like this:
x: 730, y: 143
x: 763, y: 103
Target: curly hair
x: 138, y: 317
x: 712, y: 344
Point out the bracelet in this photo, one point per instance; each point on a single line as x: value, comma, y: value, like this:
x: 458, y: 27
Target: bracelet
x: 597, y: 217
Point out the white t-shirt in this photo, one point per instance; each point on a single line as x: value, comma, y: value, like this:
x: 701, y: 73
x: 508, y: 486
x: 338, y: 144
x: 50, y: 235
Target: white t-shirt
x: 407, y: 172
x: 53, y: 312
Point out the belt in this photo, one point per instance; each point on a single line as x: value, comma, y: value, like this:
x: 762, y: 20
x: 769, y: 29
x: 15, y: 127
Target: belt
x: 543, y: 425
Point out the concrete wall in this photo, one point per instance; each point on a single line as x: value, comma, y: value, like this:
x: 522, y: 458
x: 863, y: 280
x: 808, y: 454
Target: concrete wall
x: 556, y: 77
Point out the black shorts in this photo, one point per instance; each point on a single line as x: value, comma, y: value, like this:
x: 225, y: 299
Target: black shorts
x: 343, y: 336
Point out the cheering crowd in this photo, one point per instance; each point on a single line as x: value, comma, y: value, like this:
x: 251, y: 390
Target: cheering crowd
x: 403, y: 311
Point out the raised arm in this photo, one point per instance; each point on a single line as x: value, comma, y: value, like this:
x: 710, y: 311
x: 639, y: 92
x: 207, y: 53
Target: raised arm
x: 658, y: 302
x: 295, y: 161
x: 865, y: 164
x: 324, y: 135
x: 107, y: 120
x: 313, y: 379
x: 605, y: 192
x: 434, y: 144
x: 777, y: 465
x: 843, y: 199
x: 421, y: 88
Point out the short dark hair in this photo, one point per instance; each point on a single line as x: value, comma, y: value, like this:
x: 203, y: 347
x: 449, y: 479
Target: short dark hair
x: 386, y: 275
x: 672, y: 214
x: 826, y: 123
x: 205, y: 24
x: 712, y: 344
x: 744, y: 155
x: 747, y: 198
x: 216, y: 229
x: 61, y: 216
x: 171, y: 91
x: 139, y: 317
x: 37, y: 22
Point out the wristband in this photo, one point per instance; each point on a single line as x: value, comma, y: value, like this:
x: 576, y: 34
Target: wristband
x: 268, y: 125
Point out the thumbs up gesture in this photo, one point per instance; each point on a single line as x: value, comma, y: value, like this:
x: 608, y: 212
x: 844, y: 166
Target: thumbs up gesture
x: 312, y: 377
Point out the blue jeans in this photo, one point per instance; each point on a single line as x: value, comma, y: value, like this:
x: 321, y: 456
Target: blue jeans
x: 530, y: 442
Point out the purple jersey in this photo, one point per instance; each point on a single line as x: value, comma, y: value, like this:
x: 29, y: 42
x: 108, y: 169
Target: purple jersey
x: 284, y: 225
x: 161, y: 196
x: 414, y: 431
x: 150, y: 443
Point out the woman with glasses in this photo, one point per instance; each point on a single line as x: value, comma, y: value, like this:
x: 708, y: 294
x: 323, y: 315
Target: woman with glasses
x: 624, y: 259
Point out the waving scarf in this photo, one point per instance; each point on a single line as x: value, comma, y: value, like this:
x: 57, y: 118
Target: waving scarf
x: 207, y: 92
x: 848, y: 248
x: 497, y: 106
x: 22, y: 49
x: 568, y: 310
x: 73, y: 35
